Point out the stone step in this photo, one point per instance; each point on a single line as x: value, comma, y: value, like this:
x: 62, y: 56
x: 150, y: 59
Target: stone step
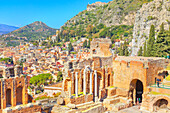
x: 84, y: 104
x: 85, y: 107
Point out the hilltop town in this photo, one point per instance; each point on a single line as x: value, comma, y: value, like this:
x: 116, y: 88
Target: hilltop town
x: 92, y: 64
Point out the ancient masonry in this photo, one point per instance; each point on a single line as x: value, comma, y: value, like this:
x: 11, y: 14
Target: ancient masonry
x: 13, y: 90
x: 112, y: 79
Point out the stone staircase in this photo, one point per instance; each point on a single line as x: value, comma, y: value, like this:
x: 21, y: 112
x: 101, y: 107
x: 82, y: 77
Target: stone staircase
x: 116, y: 103
x: 89, y: 107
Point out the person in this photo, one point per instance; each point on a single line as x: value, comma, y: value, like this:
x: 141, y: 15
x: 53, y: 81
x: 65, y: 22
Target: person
x: 158, y: 83
x: 139, y: 100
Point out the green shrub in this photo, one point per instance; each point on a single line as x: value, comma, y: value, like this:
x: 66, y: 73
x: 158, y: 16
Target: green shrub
x: 57, y: 94
x: 38, y: 91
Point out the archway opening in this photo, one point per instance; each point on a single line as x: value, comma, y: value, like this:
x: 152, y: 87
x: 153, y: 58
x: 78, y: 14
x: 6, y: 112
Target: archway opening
x: 99, y: 76
x: 136, y: 91
x: 108, y: 80
x: 139, y: 91
x: 19, y: 95
x: 98, y: 83
x: 8, y: 98
x: 160, y: 104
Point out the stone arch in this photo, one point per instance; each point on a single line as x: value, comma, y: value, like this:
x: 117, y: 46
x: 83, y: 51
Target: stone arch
x: 8, y: 98
x: 136, y: 91
x: 19, y: 96
x: 109, y: 80
x: 87, y: 68
x: 99, y: 81
x: 159, y: 101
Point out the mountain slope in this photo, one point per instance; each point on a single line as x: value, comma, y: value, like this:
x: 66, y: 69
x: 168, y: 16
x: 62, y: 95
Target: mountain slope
x: 33, y: 31
x: 116, y: 12
x: 6, y: 28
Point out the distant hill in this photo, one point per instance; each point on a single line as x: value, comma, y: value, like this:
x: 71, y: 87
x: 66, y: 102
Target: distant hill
x: 31, y: 32
x: 4, y: 29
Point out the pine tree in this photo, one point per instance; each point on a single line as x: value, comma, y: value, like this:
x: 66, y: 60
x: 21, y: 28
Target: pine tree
x: 151, y: 41
x: 162, y: 43
x: 144, y: 49
x: 140, y: 51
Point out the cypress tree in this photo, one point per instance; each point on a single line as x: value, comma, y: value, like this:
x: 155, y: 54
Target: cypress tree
x: 85, y: 44
x: 151, y: 41
x: 162, y: 28
x: 144, y: 49
x: 121, y: 50
x: 70, y: 47
x: 140, y: 51
x: 88, y: 46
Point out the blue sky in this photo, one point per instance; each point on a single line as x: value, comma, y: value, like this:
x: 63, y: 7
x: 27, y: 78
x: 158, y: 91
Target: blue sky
x: 52, y: 12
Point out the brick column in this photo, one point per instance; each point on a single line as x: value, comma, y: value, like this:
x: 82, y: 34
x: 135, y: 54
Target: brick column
x: 3, y: 93
x: 24, y: 91
x: 72, y: 87
x: 84, y: 82
x: 80, y: 82
x: 13, y: 93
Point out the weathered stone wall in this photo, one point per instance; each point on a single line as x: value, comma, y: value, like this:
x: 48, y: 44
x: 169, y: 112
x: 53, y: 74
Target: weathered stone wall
x: 82, y: 99
x: 100, y: 62
x: 84, y: 63
x: 100, y: 47
x: 31, y: 109
x: 12, y: 84
x: 149, y: 101
x: 153, y: 67
x: 125, y: 72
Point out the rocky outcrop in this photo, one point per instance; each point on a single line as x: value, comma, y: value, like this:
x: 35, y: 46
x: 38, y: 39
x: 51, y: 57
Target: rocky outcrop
x: 156, y: 13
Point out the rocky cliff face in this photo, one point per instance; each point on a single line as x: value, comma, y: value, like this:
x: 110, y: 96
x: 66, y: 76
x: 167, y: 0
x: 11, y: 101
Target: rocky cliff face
x: 156, y: 13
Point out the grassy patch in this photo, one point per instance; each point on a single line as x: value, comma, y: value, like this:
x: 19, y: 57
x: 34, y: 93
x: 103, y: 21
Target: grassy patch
x: 42, y: 97
x: 168, y: 78
x: 111, y: 87
x: 157, y: 93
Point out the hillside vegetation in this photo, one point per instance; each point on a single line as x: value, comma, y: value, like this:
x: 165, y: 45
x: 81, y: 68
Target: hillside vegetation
x: 31, y: 32
x: 114, y: 20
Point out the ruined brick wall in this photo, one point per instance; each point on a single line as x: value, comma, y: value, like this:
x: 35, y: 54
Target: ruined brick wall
x: 14, y: 90
x: 125, y: 72
x: 149, y: 101
x: 85, y: 63
x: 82, y: 99
x: 32, y: 109
x: 100, y: 47
x: 100, y: 62
x: 153, y: 68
